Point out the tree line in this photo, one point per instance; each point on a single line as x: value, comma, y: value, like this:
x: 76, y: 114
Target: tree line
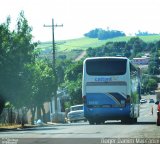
x: 140, y: 33
x: 102, y: 34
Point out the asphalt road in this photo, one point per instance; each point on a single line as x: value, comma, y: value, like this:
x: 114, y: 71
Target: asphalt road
x: 144, y: 131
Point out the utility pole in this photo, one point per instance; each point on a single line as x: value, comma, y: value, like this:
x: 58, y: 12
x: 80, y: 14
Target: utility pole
x: 54, y: 66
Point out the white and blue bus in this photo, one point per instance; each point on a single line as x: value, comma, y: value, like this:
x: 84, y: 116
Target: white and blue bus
x: 110, y: 89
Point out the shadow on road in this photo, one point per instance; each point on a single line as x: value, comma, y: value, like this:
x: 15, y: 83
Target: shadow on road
x: 145, y: 123
x: 28, y: 129
x: 113, y: 123
x: 138, y: 123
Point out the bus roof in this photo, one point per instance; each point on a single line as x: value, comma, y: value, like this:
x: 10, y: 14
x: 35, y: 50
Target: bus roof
x: 106, y: 58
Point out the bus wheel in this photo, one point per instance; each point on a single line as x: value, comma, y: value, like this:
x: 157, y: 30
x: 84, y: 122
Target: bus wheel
x: 158, y: 122
x: 103, y: 122
x: 123, y: 121
x: 135, y: 120
x: 132, y: 120
x: 129, y: 121
x: 85, y: 120
x: 91, y: 122
x: 97, y: 123
x: 100, y: 122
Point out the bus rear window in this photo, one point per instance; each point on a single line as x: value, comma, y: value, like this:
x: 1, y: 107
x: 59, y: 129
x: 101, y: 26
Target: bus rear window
x: 106, y: 66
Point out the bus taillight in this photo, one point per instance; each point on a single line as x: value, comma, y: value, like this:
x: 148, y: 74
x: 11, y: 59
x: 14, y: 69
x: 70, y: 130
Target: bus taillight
x: 84, y: 99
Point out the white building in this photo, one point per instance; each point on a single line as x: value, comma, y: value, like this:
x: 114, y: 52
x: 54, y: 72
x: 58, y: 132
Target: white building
x: 61, y: 94
x: 141, y: 61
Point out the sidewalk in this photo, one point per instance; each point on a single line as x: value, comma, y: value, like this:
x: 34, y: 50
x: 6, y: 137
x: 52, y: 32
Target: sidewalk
x: 26, y: 126
x: 15, y: 127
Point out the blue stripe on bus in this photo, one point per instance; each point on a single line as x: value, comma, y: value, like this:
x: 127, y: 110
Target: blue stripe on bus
x: 118, y: 96
x: 107, y: 113
x: 106, y: 106
x: 104, y: 98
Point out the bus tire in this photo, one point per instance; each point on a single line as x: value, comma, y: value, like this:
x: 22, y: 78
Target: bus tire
x: 103, y: 122
x: 91, y: 122
x: 85, y: 120
x: 126, y: 121
x: 158, y: 122
x: 135, y: 120
x: 100, y: 122
x: 123, y: 121
x: 132, y: 120
x: 129, y: 121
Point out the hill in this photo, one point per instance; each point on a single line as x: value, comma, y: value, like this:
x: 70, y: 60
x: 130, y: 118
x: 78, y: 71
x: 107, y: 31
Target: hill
x: 77, y: 46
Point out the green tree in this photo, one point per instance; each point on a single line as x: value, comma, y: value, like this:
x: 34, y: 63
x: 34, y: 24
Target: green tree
x: 61, y: 66
x: 154, y: 63
x: 136, y: 45
x: 91, y: 52
x: 75, y: 91
x: 73, y: 70
x: 16, y: 50
x: 149, y: 83
x: 2, y: 104
x: 40, y: 85
x: 5, y: 36
x: 73, y: 82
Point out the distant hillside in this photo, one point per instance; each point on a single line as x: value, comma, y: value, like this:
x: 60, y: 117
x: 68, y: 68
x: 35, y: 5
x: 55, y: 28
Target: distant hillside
x: 77, y: 46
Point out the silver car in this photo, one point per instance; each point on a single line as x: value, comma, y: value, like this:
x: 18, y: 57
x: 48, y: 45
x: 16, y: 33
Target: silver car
x: 76, y: 113
x: 143, y: 101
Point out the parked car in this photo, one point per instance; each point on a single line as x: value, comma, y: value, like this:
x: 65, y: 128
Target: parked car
x: 151, y: 100
x: 76, y: 113
x: 152, y: 92
x: 143, y: 101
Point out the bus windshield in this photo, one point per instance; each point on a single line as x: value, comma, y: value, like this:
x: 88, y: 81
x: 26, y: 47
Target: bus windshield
x: 106, y: 66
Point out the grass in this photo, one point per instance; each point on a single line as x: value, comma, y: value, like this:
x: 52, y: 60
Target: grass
x: 71, y: 48
x: 84, y: 43
x: 78, y: 44
x: 17, y: 126
x: 146, y: 39
x: 9, y: 126
x: 81, y: 44
x: 150, y: 38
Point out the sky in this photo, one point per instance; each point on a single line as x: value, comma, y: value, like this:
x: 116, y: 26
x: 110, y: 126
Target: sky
x: 80, y: 16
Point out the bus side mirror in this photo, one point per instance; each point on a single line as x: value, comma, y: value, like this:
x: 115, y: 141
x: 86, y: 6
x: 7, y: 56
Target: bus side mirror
x: 157, y: 102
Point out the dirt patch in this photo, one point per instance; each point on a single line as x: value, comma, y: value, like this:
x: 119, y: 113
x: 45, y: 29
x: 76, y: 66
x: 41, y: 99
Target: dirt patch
x: 81, y: 56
